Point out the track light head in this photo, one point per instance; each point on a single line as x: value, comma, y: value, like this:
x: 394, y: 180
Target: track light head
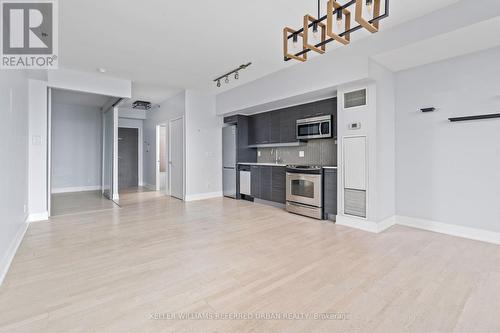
x: 227, y: 76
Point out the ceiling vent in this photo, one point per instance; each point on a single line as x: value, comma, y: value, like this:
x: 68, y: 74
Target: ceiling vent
x: 141, y: 105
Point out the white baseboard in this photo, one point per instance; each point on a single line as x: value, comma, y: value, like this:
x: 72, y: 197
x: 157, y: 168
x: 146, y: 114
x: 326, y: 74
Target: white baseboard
x: 428, y: 225
x: 365, y: 225
x: 450, y: 229
x: 203, y: 196
x: 76, y: 189
x: 11, y: 251
x: 37, y: 217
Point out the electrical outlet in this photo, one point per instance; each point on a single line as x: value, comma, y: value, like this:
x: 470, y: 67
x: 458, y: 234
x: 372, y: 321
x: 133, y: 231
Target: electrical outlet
x: 258, y: 153
x: 36, y: 140
x: 25, y: 208
x: 302, y: 153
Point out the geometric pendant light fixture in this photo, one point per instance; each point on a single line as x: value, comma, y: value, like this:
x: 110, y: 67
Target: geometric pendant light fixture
x: 336, y: 26
x: 341, y: 18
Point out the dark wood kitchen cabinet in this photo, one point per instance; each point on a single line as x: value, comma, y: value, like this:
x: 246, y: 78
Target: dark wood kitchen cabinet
x: 330, y: 193
x: 275, y: 127
x: 279, y: 126
x: 255, y: 181
x: 278, y: 184
x: 288, y: 124
x: 260, y: 129
x: 320, y: 108
x: 266, y: 183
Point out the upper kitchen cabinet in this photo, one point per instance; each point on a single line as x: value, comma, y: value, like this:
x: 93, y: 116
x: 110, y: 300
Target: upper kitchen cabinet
x: 288, y: 124
x: 260, y: 129
x: 320, y: 108
x: 280, y: 126
x: 275, y: 133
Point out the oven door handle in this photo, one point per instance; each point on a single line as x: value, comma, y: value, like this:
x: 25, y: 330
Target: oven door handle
x: 310, y: 178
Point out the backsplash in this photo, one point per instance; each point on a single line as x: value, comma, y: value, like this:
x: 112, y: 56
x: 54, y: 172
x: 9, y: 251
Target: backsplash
x: 322, y: 152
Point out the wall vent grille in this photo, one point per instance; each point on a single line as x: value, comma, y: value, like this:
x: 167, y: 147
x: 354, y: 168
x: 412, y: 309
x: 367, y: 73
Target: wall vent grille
x: 355, y: 99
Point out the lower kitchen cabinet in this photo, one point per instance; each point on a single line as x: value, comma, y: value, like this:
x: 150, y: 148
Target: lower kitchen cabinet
x: 255, y: 181
x: 278, y: 183
x: 268, y: 183
x: 265, y: 183
x: 330, y: 193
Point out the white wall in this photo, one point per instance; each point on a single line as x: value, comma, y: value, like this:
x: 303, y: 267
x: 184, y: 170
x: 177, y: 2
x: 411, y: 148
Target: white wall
x: 171, y: 109
x: 385, y: 167
x: 38, y: 150
x: 449, y: 172
x: 316, y: 74
x: 203, y: 147
x: 76, y: 147
x: 90, y: 83
x: 13, y: 165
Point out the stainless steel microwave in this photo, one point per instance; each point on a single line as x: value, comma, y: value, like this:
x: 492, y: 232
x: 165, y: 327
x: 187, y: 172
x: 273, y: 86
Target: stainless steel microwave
x: 315, y: 128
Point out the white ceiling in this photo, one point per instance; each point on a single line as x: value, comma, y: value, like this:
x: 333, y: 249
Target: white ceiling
x: 166, y: 46
x: 69, y: 97
x: 473, y: 38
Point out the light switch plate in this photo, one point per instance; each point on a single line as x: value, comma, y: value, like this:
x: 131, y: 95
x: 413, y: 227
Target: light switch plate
x: 302, y: 153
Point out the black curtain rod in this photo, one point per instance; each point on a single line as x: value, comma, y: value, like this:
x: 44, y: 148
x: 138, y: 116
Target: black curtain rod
x: 479, y: 117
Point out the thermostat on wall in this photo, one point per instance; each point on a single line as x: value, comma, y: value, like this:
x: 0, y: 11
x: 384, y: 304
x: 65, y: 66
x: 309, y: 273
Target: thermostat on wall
x: 354, y: 126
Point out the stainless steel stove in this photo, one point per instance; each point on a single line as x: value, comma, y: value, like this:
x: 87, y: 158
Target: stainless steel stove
x: 304, y: 190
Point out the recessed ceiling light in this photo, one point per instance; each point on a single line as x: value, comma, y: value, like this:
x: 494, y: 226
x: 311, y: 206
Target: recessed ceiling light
x: 102, y: 70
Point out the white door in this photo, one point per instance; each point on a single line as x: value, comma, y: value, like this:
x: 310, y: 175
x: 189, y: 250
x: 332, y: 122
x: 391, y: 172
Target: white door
x: 176, y: 162
x: 355, y: 163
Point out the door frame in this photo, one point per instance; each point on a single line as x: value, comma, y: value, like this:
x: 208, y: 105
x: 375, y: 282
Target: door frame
x: 183, y: 155
x: 49, y: 151
x: 140, y: 154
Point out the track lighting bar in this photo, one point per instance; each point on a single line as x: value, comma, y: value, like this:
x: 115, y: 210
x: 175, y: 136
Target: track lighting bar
x: 236, y: 73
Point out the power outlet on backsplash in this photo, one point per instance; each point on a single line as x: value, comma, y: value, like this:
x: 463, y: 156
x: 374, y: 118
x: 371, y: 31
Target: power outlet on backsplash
x: 259, y: 154
x: 302, y: 153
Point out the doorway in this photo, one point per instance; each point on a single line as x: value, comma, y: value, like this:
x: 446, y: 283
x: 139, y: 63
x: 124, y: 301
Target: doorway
x: 128, y: 158
x: 76, y: 150
x: 161, y: 159
x: 176, y: 158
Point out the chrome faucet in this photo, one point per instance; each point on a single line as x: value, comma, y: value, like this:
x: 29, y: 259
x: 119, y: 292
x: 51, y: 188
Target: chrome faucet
x: 277, y: 159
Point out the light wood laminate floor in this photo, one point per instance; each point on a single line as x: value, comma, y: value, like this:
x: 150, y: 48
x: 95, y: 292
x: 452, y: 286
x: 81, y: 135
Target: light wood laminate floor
x: 110, y: 271
x: 80, y: 202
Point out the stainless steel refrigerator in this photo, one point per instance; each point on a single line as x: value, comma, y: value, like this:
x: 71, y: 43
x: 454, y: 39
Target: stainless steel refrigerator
x: 229, y: 161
